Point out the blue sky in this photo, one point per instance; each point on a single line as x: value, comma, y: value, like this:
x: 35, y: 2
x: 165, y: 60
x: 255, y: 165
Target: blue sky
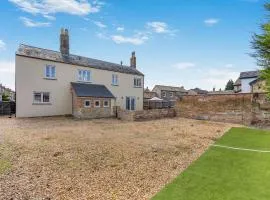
x: 194, y: 43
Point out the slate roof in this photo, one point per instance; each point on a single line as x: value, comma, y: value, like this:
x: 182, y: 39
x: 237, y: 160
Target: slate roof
x: 91, y: 90
x: 171, y: 88
x: 249, y: 74
x: 46, y: 54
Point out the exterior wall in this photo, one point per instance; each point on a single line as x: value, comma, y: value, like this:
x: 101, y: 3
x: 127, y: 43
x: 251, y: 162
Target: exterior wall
x: 30, y: 78
x: 80, y: 111
x: 234, y: 108
x: 245, y: 87
x: 258, y: 87
x: 237, y: 88
x: 147, y: 114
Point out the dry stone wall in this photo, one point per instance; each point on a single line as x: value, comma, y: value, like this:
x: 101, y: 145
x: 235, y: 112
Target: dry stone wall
x: 234, y: 108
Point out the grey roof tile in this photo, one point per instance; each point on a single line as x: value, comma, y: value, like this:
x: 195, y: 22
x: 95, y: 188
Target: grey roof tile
x: 39, y: 53
x: 91, y: 90
x: 249, y: 74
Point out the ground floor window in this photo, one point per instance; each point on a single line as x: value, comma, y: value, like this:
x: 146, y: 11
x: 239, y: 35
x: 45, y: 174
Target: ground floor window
x: 97, y: 103
x: 87, y: 103
x: 41, y: 97
x: 106, y: 103
x: 130, y: 103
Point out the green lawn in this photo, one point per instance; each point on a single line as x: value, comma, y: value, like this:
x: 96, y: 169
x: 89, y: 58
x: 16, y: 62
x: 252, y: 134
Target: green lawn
x: 226, y: 174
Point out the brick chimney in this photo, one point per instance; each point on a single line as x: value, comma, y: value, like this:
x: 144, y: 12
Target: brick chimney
x: 133, y: 60
x: 64, y: 41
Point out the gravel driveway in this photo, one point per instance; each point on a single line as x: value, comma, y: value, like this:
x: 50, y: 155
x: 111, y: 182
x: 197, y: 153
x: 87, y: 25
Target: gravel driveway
x: 63, y: 158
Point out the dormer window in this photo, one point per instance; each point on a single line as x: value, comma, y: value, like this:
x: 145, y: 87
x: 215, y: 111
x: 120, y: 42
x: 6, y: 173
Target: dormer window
x: 50, y: 72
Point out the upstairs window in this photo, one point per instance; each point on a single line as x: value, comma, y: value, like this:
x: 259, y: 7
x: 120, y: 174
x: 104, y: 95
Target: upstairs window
x: 50, y: 72
x: 171, y: 94
x: 41, y: 97
x: 163, y: 94
x: 114, y: 79
x: 84, y: 75
x: 137, y: 82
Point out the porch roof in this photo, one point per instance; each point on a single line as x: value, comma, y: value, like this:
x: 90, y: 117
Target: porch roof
x: 91, y: 90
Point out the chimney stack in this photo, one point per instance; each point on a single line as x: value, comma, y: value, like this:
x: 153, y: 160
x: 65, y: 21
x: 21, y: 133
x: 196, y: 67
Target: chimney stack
x: 133, y: 60
x: 64, y: 42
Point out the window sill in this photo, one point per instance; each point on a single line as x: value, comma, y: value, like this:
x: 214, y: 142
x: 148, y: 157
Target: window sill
x: 115, y: 85
x: 41, y: 103
x: 84, y: 81
x: 137, y: 86
x: 46, y: 78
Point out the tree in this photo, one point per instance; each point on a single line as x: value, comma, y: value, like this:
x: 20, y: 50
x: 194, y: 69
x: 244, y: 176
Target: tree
x: 261, y: 46
x: 229, y: 85
x: 5, y: 97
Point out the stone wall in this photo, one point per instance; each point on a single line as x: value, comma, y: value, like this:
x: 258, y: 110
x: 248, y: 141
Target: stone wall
x: 234, y: 108
x: 82, y: 112
x: 146, y: 114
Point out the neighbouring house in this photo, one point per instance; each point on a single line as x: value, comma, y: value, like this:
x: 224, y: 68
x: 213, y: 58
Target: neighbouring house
x: 237, y: 86
x: 197, y: 91
x: 169, y: 93
x: 258, y: 86
x: 52, y: 83
x: 8, y: 92
x: 149, y: 94
x: 243, y: 86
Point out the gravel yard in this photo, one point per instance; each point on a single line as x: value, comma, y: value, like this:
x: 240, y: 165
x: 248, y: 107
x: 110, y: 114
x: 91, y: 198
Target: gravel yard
x: 63, y: 158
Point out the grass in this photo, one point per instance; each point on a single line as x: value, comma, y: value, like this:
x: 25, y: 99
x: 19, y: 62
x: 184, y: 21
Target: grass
x: 225, y: 174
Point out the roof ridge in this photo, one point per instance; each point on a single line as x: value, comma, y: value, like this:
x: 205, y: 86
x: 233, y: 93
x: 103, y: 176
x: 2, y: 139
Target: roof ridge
x: 73, y: 55
x: 57, y: 56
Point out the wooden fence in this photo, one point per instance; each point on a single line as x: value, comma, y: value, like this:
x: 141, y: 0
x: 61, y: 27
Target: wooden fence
x: 7, y: 108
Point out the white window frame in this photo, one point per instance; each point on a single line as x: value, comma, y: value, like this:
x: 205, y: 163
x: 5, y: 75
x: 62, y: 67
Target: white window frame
x: 41, y: 98
x: 50, y: 74
x: 115, y: 79
x: 82, y: 77
x: 130, y: 100
x: 85, y: 103
x: 171, y: 94
x: 137, y: 82
x: 163, y: 94
x: 98, y: 103
x: 107, y: 105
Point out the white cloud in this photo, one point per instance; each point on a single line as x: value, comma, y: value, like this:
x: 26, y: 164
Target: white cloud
x: 135, y: 40
x: 30, y: 23
x: 7, y: 73
x: 184, y: 65
x: 45, y: 7
x: 120, y: 28
x: 158, y: 27
x: 211, y: 21
x: 229, y: 66
x: 49, y: 17
x: 218, y: 77
x: 2, y: 45
x: 100, y: 24
x: 102, y: 36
